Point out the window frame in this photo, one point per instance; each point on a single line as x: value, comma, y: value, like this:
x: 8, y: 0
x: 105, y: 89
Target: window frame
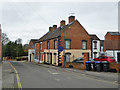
x: 48, y: 45
x: 55, y: 44
x: 69, y: 43
x: 86, y: 45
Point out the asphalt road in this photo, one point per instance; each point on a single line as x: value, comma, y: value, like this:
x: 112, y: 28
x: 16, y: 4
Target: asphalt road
x: 34, y: 76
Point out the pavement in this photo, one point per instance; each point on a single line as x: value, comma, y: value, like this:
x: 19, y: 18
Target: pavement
x: 8, y: 76
x: 0, y: 76
x: 109, y: 76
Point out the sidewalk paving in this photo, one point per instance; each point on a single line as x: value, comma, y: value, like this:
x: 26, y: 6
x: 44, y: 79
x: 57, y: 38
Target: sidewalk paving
x: 0, y: 76
x: 8, y: 76
x: 109, y: 76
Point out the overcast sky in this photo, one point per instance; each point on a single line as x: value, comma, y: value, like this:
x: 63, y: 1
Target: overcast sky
x: 31, y: 20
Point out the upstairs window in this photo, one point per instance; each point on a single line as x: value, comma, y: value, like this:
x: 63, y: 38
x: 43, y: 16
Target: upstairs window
x: 95, y: 44
x: 67, y: 43
x: 84, y: 44
x: 55, y: 44
x: 48, y: 45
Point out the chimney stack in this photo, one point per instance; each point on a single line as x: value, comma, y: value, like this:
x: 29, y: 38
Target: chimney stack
x: 50, y: 29
x: 62, y: 23
x: 54, y: 27
x: 71, y: 18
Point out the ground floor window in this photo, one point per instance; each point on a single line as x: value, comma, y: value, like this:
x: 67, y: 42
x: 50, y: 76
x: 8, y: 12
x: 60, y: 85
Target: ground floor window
x: 95, y: 54
x: 67, y: 57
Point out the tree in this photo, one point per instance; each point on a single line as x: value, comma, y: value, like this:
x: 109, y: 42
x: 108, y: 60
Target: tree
x: 5, y: 39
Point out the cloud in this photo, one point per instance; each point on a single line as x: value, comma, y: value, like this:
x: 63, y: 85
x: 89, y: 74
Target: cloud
x: 29, y: 20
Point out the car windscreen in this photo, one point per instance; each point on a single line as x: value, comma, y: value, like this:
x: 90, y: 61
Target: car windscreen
x: 112, y: 58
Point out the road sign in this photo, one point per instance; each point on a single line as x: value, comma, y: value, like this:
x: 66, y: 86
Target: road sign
x: 60, y: 48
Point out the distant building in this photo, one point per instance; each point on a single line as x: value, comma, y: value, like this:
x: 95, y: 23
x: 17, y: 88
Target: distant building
x: 112, y: 45
x: 31, y: 50
x: 26, y: 47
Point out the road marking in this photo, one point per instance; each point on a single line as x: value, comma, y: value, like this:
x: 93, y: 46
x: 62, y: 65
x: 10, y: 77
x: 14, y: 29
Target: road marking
x: 57, y: 79
x: 17, y: 76
x: 52, y: 73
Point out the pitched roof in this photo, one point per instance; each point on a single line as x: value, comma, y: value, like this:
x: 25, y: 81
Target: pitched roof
x: 94, y: 37
x: 34, y: 40
x: 114, y: 33
x: 112, y: 44
x: 54, y: 34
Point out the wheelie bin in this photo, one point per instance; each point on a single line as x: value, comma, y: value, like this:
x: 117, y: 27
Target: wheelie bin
x: 105, y: 65
x: 88, y: 65
x: 98, y: 66
x: 93, y: 66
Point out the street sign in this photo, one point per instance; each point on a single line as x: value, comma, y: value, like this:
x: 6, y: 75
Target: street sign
x: 60, y: 48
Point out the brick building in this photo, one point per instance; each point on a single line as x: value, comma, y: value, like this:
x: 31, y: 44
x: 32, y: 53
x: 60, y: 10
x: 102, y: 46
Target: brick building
x: 112, y: 45
x: 72, y: 37
x: 0, y: 44
x: 31, y: 49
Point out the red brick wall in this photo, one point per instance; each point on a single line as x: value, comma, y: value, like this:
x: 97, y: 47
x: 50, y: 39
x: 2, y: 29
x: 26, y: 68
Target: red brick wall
x: 110, y: 37
x: 77, y: 33
x: 31, y: 45
x: 37, y: 49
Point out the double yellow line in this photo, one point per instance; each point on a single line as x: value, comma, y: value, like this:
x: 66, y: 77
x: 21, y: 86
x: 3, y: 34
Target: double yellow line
x: 17, y: 76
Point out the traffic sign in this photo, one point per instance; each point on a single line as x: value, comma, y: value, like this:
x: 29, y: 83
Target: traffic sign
x: 60, y: 48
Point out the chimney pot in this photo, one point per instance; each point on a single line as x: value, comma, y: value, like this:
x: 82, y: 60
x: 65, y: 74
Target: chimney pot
x: 62, y: 23
x: 50, y: 29
x: 71, y: 18
x: 54, y: 27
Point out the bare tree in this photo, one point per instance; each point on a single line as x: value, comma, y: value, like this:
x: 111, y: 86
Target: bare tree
x: 19, y: 41
x: 5, y: 38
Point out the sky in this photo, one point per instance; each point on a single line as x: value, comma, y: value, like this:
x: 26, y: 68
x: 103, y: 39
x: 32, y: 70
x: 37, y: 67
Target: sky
x: 31, y: 20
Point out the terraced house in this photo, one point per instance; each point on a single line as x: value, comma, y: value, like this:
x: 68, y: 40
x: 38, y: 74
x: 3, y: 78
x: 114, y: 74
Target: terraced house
x: 72, y: 37
x: 31, y: 50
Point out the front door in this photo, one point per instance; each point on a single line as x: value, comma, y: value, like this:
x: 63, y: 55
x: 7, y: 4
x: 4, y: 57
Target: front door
x: 30, y: 57
x: 51, y: 58
x: 118, y: 57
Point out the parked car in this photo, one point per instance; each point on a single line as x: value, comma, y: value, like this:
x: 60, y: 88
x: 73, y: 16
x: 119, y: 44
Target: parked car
x: 110, y: 59
x: 78, y: 60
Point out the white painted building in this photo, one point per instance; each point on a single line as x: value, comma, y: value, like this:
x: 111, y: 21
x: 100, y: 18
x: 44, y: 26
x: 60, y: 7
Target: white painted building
x: 31, y: 55
x: 95, y: 46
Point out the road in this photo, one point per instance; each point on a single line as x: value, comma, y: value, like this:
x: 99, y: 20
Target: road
x: 35, y: 76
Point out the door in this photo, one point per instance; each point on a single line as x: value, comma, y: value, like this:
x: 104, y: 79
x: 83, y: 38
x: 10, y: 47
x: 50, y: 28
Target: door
x: 118, y: 57
x: 30, y: 57
x: 50, y: 58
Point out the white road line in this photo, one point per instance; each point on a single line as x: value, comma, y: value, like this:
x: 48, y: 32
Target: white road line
x: 57, y: 79
x: 52, y: 73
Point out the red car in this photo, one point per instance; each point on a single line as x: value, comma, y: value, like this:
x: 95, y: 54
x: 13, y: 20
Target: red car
x: 105, y: 58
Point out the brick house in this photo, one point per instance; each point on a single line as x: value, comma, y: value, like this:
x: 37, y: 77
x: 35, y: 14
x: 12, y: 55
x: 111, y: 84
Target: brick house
x: 112, y: 45
x: 72, y: 37
x: 31, y: 49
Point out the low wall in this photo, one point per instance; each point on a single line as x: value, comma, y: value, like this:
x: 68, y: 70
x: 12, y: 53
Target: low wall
x: 79, y: 66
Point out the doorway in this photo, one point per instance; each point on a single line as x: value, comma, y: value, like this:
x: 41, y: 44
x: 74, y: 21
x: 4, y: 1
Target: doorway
x: 30, y: 57
x: 118, y: 57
